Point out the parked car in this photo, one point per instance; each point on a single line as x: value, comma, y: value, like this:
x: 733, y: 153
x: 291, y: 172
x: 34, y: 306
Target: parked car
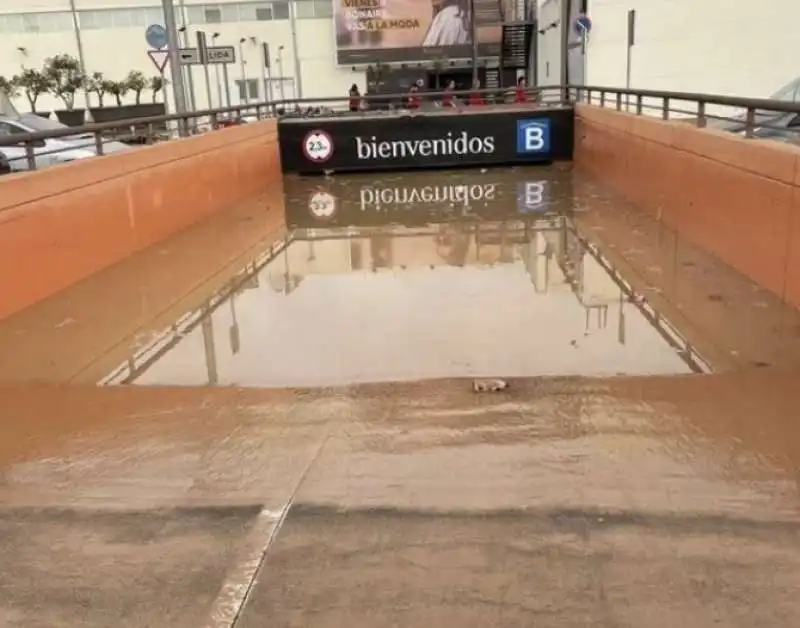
x: 50, y: 151
x: 5, y: 167
x: 780, y: 126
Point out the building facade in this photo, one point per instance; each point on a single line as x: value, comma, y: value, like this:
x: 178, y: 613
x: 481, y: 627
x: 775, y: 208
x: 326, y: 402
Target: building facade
x: 733, y: 48
x: 300, y: 34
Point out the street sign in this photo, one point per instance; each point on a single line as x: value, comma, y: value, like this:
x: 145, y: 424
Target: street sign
x: 160, y: 58
x: 582, y: 24
x: 156, y: 36
x: 217, y: 55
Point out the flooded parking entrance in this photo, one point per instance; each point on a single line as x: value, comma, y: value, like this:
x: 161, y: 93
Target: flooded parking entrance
x: 463, y: 274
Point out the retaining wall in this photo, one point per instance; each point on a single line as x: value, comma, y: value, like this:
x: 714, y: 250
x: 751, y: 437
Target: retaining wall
x: 63, y: 224
x: 737, y: 198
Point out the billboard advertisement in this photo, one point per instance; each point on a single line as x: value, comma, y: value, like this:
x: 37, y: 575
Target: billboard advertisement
x: 389, y: 31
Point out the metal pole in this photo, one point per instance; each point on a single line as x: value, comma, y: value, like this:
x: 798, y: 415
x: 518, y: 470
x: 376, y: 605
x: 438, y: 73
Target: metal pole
x: 186, y: 44
x: 227, y: 81
x: 178, y: 91
x: 81, y: 59
x: 216, y: 72
x: 280, y: 72
x: 298, y: 73
x: 244, y: 73
x: 474, y: 35
x: 201, y: 41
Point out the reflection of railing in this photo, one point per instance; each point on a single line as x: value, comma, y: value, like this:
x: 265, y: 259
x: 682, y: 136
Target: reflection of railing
x: 136, y: 365
x: 667, y: 331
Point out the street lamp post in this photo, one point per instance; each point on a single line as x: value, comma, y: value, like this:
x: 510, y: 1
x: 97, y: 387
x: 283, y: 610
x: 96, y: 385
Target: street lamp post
x: 244, y: 71
x: 178, y: 91
x: 183, y: 31
x: 279, y: 61
x: 216, y: 72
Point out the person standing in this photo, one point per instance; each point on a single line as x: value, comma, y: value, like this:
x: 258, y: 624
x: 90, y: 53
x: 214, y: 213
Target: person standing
x: 414, y: 100
x: 520, y: 95
x: 354, y: 100
x: 475, y: 97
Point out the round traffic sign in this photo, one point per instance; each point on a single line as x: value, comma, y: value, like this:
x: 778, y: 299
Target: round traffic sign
x: 156, y: 36
x: 322, y: 205
x: 583, y: 24
x: 318, y: 146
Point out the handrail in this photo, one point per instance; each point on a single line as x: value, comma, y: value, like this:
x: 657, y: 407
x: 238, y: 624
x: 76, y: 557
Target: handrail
x: 565, y: 94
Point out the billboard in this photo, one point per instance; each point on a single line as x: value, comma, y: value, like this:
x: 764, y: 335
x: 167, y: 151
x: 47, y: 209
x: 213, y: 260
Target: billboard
x: 391, y: 31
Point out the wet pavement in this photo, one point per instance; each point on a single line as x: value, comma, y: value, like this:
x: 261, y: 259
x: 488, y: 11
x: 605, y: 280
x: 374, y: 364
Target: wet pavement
x: 565, y: 500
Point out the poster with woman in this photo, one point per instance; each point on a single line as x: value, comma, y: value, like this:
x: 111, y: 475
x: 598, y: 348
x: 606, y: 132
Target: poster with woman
x: 368, y: 31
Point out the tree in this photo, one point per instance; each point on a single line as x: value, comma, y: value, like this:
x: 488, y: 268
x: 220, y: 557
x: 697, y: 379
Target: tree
x: 10, y: 86
x: 136, y: 83
x: 96, y: 84
x: 65, y: 77
x: 33, y: 84
x: 156, y: 85
x: 117, y: 89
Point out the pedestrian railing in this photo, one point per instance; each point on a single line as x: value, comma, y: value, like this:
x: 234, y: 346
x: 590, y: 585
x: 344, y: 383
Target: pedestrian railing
x: 750, y: 118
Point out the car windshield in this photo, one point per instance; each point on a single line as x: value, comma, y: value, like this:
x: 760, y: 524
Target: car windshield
x: 36, y: 123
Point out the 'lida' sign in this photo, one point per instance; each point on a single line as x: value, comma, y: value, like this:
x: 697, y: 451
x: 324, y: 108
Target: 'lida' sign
x: 425, y: 140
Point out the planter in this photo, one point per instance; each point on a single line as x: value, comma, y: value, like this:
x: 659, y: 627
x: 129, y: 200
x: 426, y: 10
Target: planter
x: 127, y: 112
x: 72, y: 117
x: 46, y: 116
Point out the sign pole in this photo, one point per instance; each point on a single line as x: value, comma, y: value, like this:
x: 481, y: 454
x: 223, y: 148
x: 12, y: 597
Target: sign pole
x: 267, y: 76
x: 629, y: 54
x: 245, y: 89
x: 226, y: 80
x: 178, y: 88
x: 184, y: 31
x: 202, y: 50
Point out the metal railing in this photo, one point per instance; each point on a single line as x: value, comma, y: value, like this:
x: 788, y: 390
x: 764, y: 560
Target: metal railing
x: 751, y: 118
x: 756, y: 118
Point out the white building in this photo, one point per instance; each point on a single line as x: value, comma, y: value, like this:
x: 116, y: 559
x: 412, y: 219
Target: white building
x: 112, y: 36
x: 729, y: 47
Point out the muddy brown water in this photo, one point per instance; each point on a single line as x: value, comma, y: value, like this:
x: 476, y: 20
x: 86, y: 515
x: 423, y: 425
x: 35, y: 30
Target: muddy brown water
x: 666, y: 493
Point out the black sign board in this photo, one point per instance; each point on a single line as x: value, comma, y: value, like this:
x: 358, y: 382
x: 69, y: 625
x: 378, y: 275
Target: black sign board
x: 435, y: 139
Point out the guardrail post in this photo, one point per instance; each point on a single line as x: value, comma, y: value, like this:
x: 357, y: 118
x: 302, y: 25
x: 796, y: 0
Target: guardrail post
x: 701, y: 114
x: 259, y: 115
x: 619, y: 101
x: 30, y: 155
x: 639, y: 101
x: 602, y: 98
x: 588, y: 96
x: 665, y: 108
x: 98, y: 142
x: 750, y: 122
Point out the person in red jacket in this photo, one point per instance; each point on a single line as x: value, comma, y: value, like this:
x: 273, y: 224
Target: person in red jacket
x: 474, y: 97
x: 448, y: 100
x: 520, y: 96
x: 414, y: 99
x: 354, y: 98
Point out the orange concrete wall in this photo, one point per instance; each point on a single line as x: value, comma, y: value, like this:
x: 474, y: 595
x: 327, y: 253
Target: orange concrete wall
x: 737, y: 198
x: 63, y: 224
